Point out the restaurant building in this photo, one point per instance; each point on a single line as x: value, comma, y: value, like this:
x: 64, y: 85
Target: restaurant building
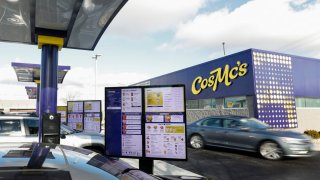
x: 281, y: 90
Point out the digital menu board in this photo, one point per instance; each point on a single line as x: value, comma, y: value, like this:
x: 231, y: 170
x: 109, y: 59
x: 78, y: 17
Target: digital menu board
x: 165, y: 129
x: 124, y: 122
x: 146, y: 122
x: 75, y: 114
x: 84, y: 115
x: 92, y: 116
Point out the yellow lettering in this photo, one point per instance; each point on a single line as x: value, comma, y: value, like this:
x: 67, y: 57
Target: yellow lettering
x: 194, y: 89
x: 243, y: 69
x: 218, y: 76
x: 211, y: 81
x: 204, y: 84
x: 231, y: 74
x: 221, y: 77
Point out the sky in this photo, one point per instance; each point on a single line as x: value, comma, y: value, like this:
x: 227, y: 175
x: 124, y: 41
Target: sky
x: 149, y: 38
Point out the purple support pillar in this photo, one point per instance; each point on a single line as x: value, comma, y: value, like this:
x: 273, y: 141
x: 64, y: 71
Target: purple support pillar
x: 38, y: 98
x: 48, y: 82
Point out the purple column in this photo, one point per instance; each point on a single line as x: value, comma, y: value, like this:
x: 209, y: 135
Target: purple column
x: 38, y: 98
x: 48, y: 82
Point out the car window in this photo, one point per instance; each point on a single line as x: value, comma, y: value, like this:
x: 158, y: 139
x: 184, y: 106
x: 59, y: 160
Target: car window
x: 212, y: 122
x: 256, y: 124
x: 31, y: 126
x: 232, y: 123
x: 10, y: 126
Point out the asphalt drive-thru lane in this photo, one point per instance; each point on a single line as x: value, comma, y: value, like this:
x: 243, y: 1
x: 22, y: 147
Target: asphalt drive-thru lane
x: 224, y: 164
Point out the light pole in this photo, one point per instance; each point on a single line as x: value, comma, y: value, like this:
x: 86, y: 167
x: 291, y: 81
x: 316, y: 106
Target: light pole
x: 224, y: 51
x: 95, y: 57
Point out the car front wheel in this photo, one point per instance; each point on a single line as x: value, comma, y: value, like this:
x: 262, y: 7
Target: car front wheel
x: 196, y: 142
x: 270, y: 150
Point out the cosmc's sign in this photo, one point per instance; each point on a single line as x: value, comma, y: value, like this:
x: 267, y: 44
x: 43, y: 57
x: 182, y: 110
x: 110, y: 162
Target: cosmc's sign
x: 218, y: 76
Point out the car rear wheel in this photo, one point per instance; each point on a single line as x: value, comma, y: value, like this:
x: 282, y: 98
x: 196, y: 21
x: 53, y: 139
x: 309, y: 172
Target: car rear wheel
x: 196, y: 142
x: 270, y: 150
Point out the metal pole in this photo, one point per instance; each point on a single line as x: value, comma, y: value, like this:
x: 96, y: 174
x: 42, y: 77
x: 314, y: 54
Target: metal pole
x: 95, y: 57
x: 38, y: 99
x: 95, y: 78
x: 48, y: 82
x: 146, y: 165
x: 224, y: 51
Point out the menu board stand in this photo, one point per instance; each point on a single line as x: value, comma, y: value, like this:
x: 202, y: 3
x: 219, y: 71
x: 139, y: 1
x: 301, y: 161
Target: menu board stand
x: 146, y: 165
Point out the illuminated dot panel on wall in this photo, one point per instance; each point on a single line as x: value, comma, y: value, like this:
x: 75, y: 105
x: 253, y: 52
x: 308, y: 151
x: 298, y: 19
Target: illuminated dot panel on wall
x: 274, y: 90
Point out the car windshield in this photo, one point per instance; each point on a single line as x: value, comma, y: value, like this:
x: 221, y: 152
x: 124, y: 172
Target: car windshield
x: 67, y: 129
x: 256, y: 124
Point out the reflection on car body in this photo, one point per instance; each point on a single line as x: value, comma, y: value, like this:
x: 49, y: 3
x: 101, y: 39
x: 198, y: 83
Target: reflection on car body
x: 248, y: 134
x: 19, y: 128
x: 61, y: 162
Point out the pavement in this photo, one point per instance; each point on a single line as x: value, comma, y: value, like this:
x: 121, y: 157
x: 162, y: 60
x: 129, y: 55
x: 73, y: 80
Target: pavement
x: 163, y: 168
x: 316, y: 143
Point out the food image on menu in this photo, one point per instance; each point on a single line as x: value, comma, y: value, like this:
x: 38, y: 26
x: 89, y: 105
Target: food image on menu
x: 149, y: 118
x: 175, y: 129
x: 154, y: 99
x: 88, y: 106
x: 167, y: 118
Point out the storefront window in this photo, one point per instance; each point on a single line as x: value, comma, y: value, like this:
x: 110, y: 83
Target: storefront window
x: 201, y: 104
x: 235, y: 102
x: 192, y: 104
x: 308, y: 102
x: 207, y: 103
x: 312, y: 102
x: 300, y: 102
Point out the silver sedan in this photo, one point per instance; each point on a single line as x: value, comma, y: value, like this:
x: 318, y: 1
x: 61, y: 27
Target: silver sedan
x: 248, y: 134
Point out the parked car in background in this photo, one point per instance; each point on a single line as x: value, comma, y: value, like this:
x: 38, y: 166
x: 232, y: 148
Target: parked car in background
x: 22, y: 128
x: 248, y: 134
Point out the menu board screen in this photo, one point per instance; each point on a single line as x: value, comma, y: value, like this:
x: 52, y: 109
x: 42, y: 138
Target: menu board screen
x: 92, y: 106
x: 165, y: 140
x: 165, y: 134
x: 92, y: 116
x: 146, y: 122
x: 164, y: 99
x: 75, y: 114
x: 124, y: 122
x: 92, y: 122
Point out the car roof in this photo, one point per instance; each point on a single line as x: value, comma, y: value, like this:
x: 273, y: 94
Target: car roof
x: 227, y: 116
x: 81, y: 163
x: 5, y: 116
x: 220, y: 116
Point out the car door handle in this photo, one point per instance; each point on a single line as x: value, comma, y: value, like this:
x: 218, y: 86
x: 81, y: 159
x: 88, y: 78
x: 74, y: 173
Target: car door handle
x: 202, y: 129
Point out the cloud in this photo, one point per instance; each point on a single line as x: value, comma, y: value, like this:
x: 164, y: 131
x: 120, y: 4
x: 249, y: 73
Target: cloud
x: 140, y: 17
x: 79, y: 82
x: 273, y: 25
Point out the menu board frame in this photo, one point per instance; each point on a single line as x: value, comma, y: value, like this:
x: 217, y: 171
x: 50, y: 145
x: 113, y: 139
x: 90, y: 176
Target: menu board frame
x: 144, y: 121
x: 83, y: 112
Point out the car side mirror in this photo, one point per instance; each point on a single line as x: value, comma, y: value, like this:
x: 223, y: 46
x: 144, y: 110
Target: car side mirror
x: 62, y: 136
